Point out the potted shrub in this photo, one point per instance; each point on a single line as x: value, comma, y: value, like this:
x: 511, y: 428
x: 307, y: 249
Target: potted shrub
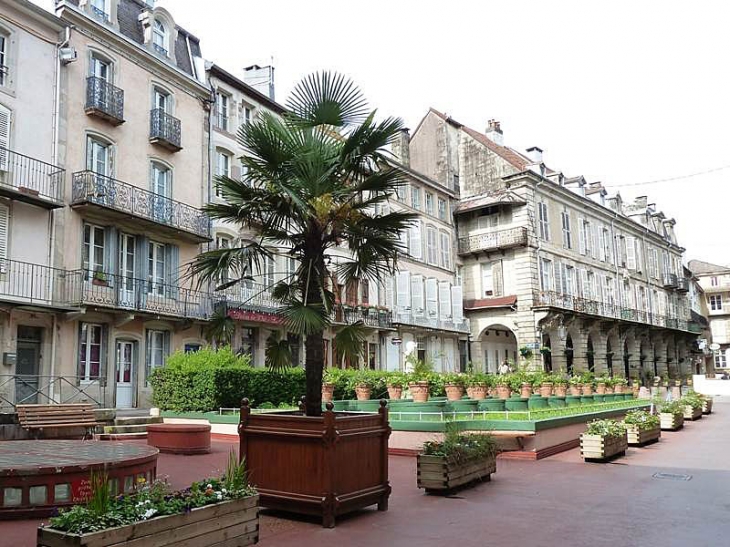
x: 576, y: 386
x: 526, y: 352
x: 477, y: 385
x: 454, y: 386
x: 331, y: 375
x: 587, y: 383
x: 99, y: 278
x: 601, y: 384
x: 395, y: 382
x: 692, y: 406
x: 224, y: 510
x: 363, y: 384
x: 603, y: 439
x: 503, y: 386
x: 642, y: 427
x: 619, y: 384
x: 671, y: 415
x: 560, y: 385
x: 461, y: 458
x: 418, y: 384
x: 545, y: 384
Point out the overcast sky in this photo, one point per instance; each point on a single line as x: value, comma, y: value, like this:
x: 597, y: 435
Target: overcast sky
x: 618, y: 91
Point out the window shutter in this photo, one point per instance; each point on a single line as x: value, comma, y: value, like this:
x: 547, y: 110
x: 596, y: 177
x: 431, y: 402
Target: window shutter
x: 602, y: 245
x: 638, y: 254
x: 404, y: 291
x: 559, y: 277
x: 431, y: 298
x: 497, y: 280
x: 444, y: 300
x: 389, y: 292
x: 585, y: 289
x: 141, y: 266
x: 111, y: 254
x: 457, y: 305
x: 594, y: 246
x: 4, y: 236
x: 631, y: 252
x: 172, y: 263
x: 104, y: 361
x: 236, y: 172
x: 5, y: 116
x: 403, y: 243
x: 374, y: 292
x: 416, y: 247
x: 417, y: 295
x: 166, y: 346
x: 581, y: 236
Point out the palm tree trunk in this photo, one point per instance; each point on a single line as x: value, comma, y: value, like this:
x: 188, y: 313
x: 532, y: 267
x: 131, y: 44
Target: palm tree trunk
x: 314, y: 344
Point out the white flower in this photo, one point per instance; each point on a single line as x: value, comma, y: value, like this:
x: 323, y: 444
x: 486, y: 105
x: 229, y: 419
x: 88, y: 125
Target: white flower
x: 224, y: 490
x: 219, y: 495
x: 209, y: 486
x: 149, y: 513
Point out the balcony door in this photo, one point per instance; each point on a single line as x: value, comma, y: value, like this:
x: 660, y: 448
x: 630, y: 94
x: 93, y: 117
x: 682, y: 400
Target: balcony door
x: 100, y: 71
x: 162, y: 192
x: 127, y: 251
x: 124, y: 374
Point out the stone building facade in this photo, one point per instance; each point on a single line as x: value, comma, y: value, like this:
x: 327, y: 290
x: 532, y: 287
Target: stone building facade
x: 713, y: 297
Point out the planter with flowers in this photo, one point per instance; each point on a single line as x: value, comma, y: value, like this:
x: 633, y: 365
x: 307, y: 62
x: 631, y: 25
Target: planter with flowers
x: 642, y: 427
x: 395, y: 382
x: 222, y: 511
x: 560, y: 385
x: 603, y: 439
x: 692, y: 406
x: 576, y: 385
x: 619, y: 384
x: 503, y: 386
x: 363, y: 384
x: 454, y: 386
x: 671, y: 415
x: 477, y: 385
x: 587, y: 383
x: 418, y: 381
x: 460, y: 459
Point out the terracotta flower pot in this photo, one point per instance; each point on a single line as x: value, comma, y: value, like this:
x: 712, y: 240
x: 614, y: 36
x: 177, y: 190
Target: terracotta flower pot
x: 600, y: 388
x: 618, y: 388
x: 395, y: 392
x: 546, y: 390
x: 503, y: 391
x: 454, y: 392
x: 363, y: 392
x: 575, y: 390
x: 328, y: 392
x: 493, y: 392
x: 526, y: 391
x: 609, y: 389
x: 561, y: 391
x: 587, y: 389
x: 419, y: 391
x: 477, y: 392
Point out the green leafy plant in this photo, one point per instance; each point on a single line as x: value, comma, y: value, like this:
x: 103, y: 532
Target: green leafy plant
x: 455, y: 378
x: 558, y: 379
x: 420, y: 368
x: 459, y: 447
x: 606, y: 428
x: 642, y: 419
x: 692, y: 399
x: 671, y: 407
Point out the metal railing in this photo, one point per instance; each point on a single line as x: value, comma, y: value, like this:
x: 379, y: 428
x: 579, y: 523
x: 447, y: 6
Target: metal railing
x: 128, y: 293
x: 407, y: 317
x: 498, y: 239
x: 372, y: 317
x: 606, y: 309
x: 682, y: 284
x: 99, y: 13
x: 102, y: 97
x: 90, y: 187
x: 19, y: 389
x: 251, y: 296
x: 670, y: 281
x: 31, y: 176
x: 33, y: 284
x: 164, y: 127
x: 159, y: 49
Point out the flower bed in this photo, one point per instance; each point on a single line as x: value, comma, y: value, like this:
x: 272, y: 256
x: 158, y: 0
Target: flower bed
x: 207, y: 513
x: 642, y: 427
x: 602, y: 440
x: 671, y: 416
x: 692, y: 406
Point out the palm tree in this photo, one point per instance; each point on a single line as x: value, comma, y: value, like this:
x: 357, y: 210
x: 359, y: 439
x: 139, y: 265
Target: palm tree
x: 316, y: 180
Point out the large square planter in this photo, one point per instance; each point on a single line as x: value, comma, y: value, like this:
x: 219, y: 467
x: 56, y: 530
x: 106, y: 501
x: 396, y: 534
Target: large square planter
x: 234, y: 522
x: 600, y: 447
x: 691, y: 413
x: 707, y: 406
x: 671, y: 422
x: 441, y: 474
x: 639, y: 437
x: 324, y: 465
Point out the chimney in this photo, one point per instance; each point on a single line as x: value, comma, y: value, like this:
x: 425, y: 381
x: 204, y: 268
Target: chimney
x: 261, y: 78
x: 494, y: 132
x: 641, y: 202
x: 401, y: 147
x: 535, y: 154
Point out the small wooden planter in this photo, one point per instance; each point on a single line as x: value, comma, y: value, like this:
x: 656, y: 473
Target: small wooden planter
x: 438, y: 474
x: 691, y: 413
x: 639, y: 437
x: 234, y: 522
x: 599, y: 447
x: 707, y: 406
x: 671, y: 422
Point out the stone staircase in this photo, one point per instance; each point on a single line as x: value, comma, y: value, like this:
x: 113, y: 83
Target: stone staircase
x: 128, y: 428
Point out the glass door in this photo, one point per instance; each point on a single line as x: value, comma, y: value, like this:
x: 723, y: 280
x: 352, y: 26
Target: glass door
x: 127, y: 248
x: 123, y: 375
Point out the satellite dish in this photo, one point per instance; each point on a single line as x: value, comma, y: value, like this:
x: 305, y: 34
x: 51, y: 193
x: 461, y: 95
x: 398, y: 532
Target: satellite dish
x: 410, y: 347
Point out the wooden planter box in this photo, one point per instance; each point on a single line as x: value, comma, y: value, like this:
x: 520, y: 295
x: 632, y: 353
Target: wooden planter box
x: 691, y: 413
x: 707, y: 406
x: 638, y: 437
x: 234, y: 522
x: 324, y: 465
x: 598, y: 447
x: 671, y: 422
x: 437, y: 473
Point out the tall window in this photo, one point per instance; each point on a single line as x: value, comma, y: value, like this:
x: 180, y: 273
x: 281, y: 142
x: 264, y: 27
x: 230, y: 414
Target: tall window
x: 156, y: 268
x: 442, y: 209
x: 98, y: 157
x: 586, y: 239
x: 487, y: 279
x: 90, y: 352
x: 429, y: 203
x: 720, y: 359
x: 161, y: 100
x: 445, y: 261
x: 100, y: 9
x: 546, y: 274
x: 609, y: 291
x: 158, y: 348
x: 713, y: 281
x: 159, y: 37
x: 221, y: 110
x: 93, y: 253
x: 3, y: 59
x: 567, y: 237
x: 607, y: 245
x: 569, y: 280
x: 247, y: 114
x: 222, y: 168
x: 223, y: 242
x: 543, y: 220
x: 716, y: 302
x: 415, y: 197
x: 431, y: 245
x: 161, y: 180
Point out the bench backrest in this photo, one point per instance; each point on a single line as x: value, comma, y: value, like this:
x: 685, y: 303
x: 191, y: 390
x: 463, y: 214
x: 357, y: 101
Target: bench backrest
x: 50, y: 415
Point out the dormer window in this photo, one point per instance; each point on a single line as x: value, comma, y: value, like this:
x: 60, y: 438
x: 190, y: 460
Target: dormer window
x: 159, y: 37
x: 100, y: 9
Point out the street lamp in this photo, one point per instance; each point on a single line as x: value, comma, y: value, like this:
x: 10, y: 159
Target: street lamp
x: 562, y: 333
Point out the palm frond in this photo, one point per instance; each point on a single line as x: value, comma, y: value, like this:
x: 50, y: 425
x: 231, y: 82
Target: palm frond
x: 278, y: 353
x: 326, y: 98
x: 302, y: 318
x: 234, y: 262
x: 220, y: 328
x: 349, y: 342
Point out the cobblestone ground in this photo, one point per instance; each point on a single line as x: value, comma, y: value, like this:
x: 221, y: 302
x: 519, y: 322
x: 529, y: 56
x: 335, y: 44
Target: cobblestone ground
x: 558, y: 501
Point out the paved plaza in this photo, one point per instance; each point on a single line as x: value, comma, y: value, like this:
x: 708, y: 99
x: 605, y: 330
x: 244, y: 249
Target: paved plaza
x: 642, y: 499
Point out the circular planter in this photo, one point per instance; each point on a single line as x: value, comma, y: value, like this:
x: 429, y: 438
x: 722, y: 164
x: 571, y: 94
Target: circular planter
x: 516, y: 403
x: 560, y: 391
x: 533, y: 403
x: 395, y: 392
x: 587, y: 389
x: 477, y: 393
x: 526, y: 391
x: 618, y: 388
x: 600, y: 388
x: 556, y: 402
x: 572, y: 400
x: 328, y: 392
x: 363, y: 392
x: 546, y: 390
x: 419, y: 391
x: 503, y: 392
x: 454, y: 392
x: 179, y: 438
x: 492, y: 405
x: 575, y: 391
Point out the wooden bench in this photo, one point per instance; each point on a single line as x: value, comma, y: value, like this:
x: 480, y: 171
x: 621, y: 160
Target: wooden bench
x: 37, y: 418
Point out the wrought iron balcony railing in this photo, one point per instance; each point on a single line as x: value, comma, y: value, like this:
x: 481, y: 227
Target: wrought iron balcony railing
x: 682, y: 284
x: 370, y: 316
x: 165, y: 130
x: 34, y: 284
x: 159, y: 49
x: 490, y: 241
x: 99, y: 14
x: 128, y: 293
x: 606, y: 309
x: 104, y: 100
x: 93, y: 188
x: 31, y: 180
x: 407, y: 317
x: 670, y: 281
x: 250, y: 296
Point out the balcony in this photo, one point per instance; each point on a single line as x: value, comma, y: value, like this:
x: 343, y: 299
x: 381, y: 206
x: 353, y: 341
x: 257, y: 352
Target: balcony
x: 434, y: 323
x: 670, y: 281
x: 33, y: 181
x: 110, y: 199
x: 250, y: 296
x: 682, y: 284
x: 34, y: 284
x: 137, y: 295
x: 492, y: 241
x: 104, y: 101
x: 551, y: 299
x: 165, y: 130
x: 378, y: 318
